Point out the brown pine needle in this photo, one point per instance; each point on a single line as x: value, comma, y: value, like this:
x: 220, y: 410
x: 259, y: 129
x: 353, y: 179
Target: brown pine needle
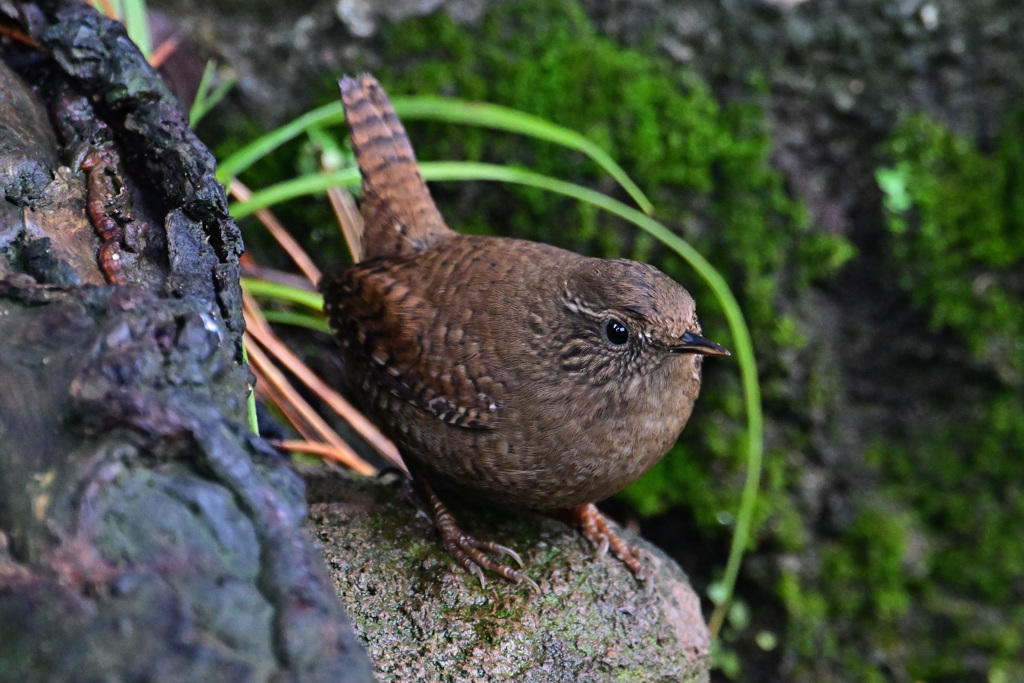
x: 266, y: 392
x: 15, y: 34
x: 240, y: 192
x: 163, y: 51
x: 312, y: 447
x: 350, y: 220
x: 258, y: 331
x: 258, y: 328
x: 275, y: 377
x: 107, y: 8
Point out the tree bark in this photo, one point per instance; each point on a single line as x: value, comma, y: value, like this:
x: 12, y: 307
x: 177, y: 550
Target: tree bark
x: 145, y: 532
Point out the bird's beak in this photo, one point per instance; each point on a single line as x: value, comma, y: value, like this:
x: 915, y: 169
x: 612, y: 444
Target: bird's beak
x: 694, y: 343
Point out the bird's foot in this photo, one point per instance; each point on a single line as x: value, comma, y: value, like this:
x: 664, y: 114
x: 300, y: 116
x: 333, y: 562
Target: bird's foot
x: 597, y: 530
x: 473, y: 554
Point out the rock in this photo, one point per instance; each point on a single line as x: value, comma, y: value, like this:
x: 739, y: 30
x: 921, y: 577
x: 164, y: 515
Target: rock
x: 421, y: 617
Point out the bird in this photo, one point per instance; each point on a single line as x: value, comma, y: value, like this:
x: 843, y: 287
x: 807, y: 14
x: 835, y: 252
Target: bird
x: 509, y: 371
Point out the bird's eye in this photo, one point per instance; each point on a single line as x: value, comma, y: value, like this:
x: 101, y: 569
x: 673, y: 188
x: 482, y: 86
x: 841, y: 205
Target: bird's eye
x: 617, y: 332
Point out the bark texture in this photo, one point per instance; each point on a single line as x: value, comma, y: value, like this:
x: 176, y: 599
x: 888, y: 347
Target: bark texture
x: 145, y: 533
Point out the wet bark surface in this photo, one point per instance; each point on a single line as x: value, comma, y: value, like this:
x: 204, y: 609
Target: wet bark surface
x: 145, y: 533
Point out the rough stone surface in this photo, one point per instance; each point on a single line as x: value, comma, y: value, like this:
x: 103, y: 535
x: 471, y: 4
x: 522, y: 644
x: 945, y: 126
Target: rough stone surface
x: 422, y: 617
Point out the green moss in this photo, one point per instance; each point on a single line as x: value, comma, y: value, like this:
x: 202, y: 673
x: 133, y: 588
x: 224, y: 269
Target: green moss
x: 965, y: 488
x: 956, y: 216
x: 863, y: 592
x: 927, y: 577
x: 865, y: 569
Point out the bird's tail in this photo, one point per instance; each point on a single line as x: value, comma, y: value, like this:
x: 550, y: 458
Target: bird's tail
x: 399, y: 214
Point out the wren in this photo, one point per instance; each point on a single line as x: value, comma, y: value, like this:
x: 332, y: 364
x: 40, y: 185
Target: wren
x: 520, y: 373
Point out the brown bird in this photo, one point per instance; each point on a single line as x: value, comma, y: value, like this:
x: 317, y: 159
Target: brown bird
x: 515, y: 371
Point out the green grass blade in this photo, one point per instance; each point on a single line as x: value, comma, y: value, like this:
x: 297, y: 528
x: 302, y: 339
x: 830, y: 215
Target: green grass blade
x: 440, y: 109
x: 136, y: 22
x: 198, y: 107
x: 206, y: 100
x: 131, y: 13
x: 297, y: 320
x: 742, y: 346
x: 514, y: 121
x: 250, y: 401
x: 327, y: 115
x: 311, y: 184
x: 275, y: 290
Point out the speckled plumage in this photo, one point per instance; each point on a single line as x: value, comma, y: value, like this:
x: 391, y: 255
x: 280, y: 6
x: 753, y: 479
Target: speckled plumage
x: 509, y: 393
x: 495, y: 364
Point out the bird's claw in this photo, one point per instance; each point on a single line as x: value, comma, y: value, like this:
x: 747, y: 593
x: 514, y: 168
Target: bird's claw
x: 596, y: 529
x: 476, y: 555
x: 473, y: 554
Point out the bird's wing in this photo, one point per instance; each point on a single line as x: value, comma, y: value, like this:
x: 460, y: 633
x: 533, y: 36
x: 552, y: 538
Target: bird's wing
x: 415, y: 348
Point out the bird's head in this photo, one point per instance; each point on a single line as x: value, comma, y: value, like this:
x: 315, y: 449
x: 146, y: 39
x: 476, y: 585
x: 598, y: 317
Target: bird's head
x: 626, y: 319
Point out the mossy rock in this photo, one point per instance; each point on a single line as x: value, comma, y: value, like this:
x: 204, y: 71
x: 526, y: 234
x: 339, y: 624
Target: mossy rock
x: 422, y: 617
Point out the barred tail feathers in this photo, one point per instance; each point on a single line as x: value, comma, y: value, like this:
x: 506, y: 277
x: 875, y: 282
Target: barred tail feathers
x: 399, y: 214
